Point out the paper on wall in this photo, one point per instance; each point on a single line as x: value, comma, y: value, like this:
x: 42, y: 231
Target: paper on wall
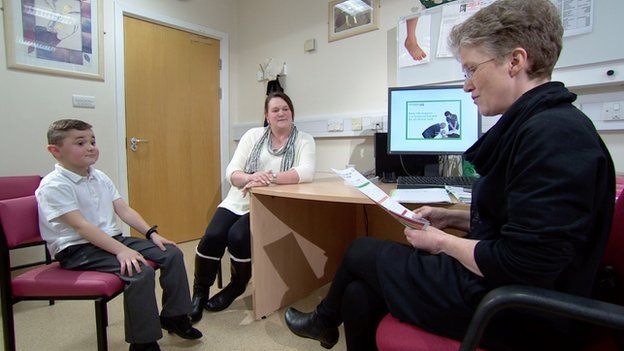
x: 576, y: 16
x: 452, y: 15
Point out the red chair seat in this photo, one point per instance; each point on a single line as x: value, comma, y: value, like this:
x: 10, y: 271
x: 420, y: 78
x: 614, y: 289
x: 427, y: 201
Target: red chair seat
x: 394, y: 335
x: 52, y: 280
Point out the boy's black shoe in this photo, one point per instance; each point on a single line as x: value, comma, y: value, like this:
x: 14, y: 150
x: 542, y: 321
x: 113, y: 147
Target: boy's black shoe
x: 150, y: 346
x: 181, y: 325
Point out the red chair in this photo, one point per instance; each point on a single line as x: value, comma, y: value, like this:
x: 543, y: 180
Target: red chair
x: 393, y: 335
x: 19, y: 228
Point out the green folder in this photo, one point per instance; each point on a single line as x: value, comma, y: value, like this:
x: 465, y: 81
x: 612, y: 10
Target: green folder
x: 433, y: 3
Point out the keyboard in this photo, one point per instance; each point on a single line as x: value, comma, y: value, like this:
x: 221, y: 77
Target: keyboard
x: 414, y: 182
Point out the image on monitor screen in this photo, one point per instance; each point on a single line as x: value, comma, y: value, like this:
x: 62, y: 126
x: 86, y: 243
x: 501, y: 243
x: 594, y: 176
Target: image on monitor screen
x: 439, y: 120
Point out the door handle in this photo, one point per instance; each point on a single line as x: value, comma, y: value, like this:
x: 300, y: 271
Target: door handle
x: 134, y: 143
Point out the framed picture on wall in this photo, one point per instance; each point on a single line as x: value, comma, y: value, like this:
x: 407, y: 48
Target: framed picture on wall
x: 351, y: 17
x: 61, y: 37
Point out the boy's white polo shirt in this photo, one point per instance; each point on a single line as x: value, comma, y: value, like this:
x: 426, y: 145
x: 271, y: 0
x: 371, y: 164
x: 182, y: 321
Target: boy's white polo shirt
x: 63, y: 191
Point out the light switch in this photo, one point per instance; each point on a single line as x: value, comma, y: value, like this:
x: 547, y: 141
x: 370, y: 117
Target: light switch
x: 612, y: 111
x: 309, y: 45
x: 84, y: 101
x: 617, y: 112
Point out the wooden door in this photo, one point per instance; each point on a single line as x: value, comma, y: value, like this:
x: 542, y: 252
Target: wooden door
x: 172, y: 106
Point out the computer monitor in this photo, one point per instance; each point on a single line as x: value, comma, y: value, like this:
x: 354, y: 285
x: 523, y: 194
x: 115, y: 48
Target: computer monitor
x: 431, y: 120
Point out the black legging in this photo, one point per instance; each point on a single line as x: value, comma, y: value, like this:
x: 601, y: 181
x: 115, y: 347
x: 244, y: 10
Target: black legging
x: 355, y: 295
x: 226, y: 229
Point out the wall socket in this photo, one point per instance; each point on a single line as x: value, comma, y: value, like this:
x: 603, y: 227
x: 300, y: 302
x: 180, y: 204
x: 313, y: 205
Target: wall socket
x: 335, y: 125
x: 377, y: 125
x: 612, y: 111
x: 84, y: 101
x: 356, y: 123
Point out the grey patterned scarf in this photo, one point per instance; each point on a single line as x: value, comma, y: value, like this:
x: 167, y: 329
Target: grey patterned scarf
x: 288, y: 150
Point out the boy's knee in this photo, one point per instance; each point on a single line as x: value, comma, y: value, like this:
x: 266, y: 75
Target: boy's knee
x: 174, y: 250
x: 147, y: 272
x: 173, y: 254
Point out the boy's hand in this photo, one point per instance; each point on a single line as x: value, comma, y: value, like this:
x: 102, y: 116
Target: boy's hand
x: 161, y: 241
x: 129, y: 258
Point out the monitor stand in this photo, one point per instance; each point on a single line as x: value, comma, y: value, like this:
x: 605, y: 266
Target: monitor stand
x: 388, y: 177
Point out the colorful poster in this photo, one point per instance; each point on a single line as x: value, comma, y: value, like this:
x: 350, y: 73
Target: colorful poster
x: 414, y: 40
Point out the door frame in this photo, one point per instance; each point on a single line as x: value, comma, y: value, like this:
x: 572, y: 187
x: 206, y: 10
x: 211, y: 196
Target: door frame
x: 122, y: 9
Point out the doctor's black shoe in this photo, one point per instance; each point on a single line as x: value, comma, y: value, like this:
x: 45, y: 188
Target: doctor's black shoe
x: 308, y: 325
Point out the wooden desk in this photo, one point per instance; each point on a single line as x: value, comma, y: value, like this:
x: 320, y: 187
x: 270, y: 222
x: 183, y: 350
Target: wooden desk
x: 299, y: 233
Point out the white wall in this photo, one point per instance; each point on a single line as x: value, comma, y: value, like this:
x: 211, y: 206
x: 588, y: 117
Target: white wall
x: 342, y: 77
x: 348, y: 76
x: 29, y: 102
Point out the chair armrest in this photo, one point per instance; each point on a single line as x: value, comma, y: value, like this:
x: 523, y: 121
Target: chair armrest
x: 550, y: 301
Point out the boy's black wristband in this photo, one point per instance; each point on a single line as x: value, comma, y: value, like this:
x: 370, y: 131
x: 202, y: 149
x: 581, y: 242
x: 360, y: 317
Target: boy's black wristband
x: 151, y: 231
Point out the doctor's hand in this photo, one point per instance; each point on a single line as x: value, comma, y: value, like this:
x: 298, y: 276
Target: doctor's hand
x: 437, y: 216
x: 429, y: 240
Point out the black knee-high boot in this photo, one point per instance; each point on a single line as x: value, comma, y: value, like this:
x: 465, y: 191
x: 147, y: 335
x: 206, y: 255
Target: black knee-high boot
x: 205, y: 273
x: 241, y: 273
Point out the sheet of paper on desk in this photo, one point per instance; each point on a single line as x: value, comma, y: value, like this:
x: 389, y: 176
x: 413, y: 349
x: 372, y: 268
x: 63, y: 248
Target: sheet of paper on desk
x: 460, y: 194
x: 422, y: 196
x: 398, y: 211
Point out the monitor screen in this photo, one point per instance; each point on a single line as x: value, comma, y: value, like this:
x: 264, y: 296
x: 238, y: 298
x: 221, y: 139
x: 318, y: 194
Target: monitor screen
x: 431, y: 120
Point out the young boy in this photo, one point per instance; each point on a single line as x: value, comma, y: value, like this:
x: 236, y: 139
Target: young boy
x: 76, y: 205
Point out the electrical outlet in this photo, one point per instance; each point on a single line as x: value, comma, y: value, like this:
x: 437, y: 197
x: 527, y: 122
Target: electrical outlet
x: 335, y: 125
x: 367, y: 123
x: 84, y: 101
x: 378, y: 126
x: 612, y: 111
x: 356, y: 124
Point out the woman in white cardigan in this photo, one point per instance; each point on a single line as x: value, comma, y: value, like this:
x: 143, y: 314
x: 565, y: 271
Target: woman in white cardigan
x: 274, y: 154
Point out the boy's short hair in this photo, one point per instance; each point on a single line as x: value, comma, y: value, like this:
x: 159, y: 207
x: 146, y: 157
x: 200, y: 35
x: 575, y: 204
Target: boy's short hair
x: 58, y: 129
